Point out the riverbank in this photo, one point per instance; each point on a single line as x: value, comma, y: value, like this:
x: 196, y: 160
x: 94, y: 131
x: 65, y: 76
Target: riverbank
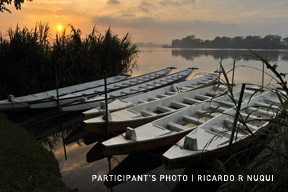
x: 24, y: 164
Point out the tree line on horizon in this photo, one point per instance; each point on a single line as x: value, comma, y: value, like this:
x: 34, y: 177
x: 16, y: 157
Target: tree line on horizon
x: 238, y: 42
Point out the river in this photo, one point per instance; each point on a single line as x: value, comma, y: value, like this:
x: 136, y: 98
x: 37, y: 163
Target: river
x: 77, y: 173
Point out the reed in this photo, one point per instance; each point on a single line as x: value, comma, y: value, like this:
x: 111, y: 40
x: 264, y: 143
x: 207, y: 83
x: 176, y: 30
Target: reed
x: 268, y: 155
x: 30, y: 63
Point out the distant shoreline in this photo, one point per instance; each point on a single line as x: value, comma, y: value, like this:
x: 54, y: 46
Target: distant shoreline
x: 215, y: 48
x: 238, y: 42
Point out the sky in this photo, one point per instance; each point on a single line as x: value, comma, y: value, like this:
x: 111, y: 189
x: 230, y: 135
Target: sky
x: 157, y: 21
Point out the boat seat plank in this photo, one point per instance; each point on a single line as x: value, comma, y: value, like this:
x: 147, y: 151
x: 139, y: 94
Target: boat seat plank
x: 217, y: 108
x: 152, y: 99
x: 134, y: 90
x: 226, y: 103
x: 193, y: 120
x: 206, y: 113
x: 211, y: 94
x: 162, y: 96
x: 125, y: 93
x: 273, y: 101
x: 251, y: 116
x: 271, y: 106
x: 165, y: 109
x: 191, y: 101
x: 178, y: 104
x: 261, y: 111
x: 176, y: 127
x: 221, y: 131
x: 146, y: 113
x: 218, y: 129
x: 229, y: 122
x: 171, y: 93
x: 202, y: 97
x: 142, y: 101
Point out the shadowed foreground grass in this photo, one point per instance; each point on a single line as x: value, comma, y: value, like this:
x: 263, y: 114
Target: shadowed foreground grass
x: 24, y: 164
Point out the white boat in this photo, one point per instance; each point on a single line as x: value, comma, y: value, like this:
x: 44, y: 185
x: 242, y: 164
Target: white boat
x: 192, y: 84
x: 211, y: 139
x: 147, y: 112
x: 76, y: 96
x: 169, y: 129
x: 89, y: 103
x: 13, y: 103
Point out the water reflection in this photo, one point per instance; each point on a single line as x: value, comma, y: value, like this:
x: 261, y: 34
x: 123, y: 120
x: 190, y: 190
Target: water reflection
x: 85, y: 157
x: 146, y: 162
x: 217, y: 54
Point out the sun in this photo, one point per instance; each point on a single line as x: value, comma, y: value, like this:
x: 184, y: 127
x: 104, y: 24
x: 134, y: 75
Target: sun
x: 59, y: 28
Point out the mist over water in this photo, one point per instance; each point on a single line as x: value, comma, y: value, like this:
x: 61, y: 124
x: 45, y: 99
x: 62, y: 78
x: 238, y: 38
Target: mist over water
x: 207, y: 60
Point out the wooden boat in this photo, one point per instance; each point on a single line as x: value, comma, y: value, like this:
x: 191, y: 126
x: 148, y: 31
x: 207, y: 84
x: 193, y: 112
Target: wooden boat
x: 14, y: 103
x: 211, y: 139
x: 88, y: 103
x: 147, y: 112
x: 168, y: 130
x: 73, y: 97
x: 192, y: 84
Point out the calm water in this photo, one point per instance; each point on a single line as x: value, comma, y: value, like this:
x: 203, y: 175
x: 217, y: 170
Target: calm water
x: 77, y: 173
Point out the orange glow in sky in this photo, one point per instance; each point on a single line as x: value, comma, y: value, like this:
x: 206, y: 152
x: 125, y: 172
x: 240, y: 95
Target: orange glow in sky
x: 157, y: 21
x: 59, y: 28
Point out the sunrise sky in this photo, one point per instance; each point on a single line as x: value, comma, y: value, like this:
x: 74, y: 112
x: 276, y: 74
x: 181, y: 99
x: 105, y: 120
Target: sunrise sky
x: 157, y: 21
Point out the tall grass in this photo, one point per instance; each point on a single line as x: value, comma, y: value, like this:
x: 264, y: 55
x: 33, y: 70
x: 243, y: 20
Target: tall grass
x: 30, y: 64
x: 273, y: 160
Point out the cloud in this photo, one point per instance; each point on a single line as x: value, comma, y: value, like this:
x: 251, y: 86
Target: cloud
x: 113, y: 2
x: 146, y: 7
x: 176, y: 2
x: 152, y: 23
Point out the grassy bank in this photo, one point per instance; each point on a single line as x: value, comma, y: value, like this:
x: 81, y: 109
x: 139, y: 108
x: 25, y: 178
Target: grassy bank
x: 24, y: 164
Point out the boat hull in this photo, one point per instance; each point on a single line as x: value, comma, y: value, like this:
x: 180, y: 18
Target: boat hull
x: 144, y: 97
x: 43, y: 99
x: 96, y: 103
x: 118, y: 127
x: 204, y: 156
x: 151, y: 144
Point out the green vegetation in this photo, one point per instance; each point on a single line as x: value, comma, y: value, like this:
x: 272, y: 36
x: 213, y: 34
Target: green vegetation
x: 25, y: 165
x: 17, y: 4
x: 273, y: 160
x: 239, y: 42
x: 30, y: 62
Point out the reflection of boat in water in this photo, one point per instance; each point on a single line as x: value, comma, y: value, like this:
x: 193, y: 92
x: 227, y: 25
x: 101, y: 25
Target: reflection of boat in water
x: 168, y: 130
x: 130, y: 165
x: 129, y: 91
x: 211, y: 139
x: 195, y: 83
x: 95, y: 153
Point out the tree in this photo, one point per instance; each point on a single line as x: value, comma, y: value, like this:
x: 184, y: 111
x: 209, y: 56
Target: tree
x: 17, y: 4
